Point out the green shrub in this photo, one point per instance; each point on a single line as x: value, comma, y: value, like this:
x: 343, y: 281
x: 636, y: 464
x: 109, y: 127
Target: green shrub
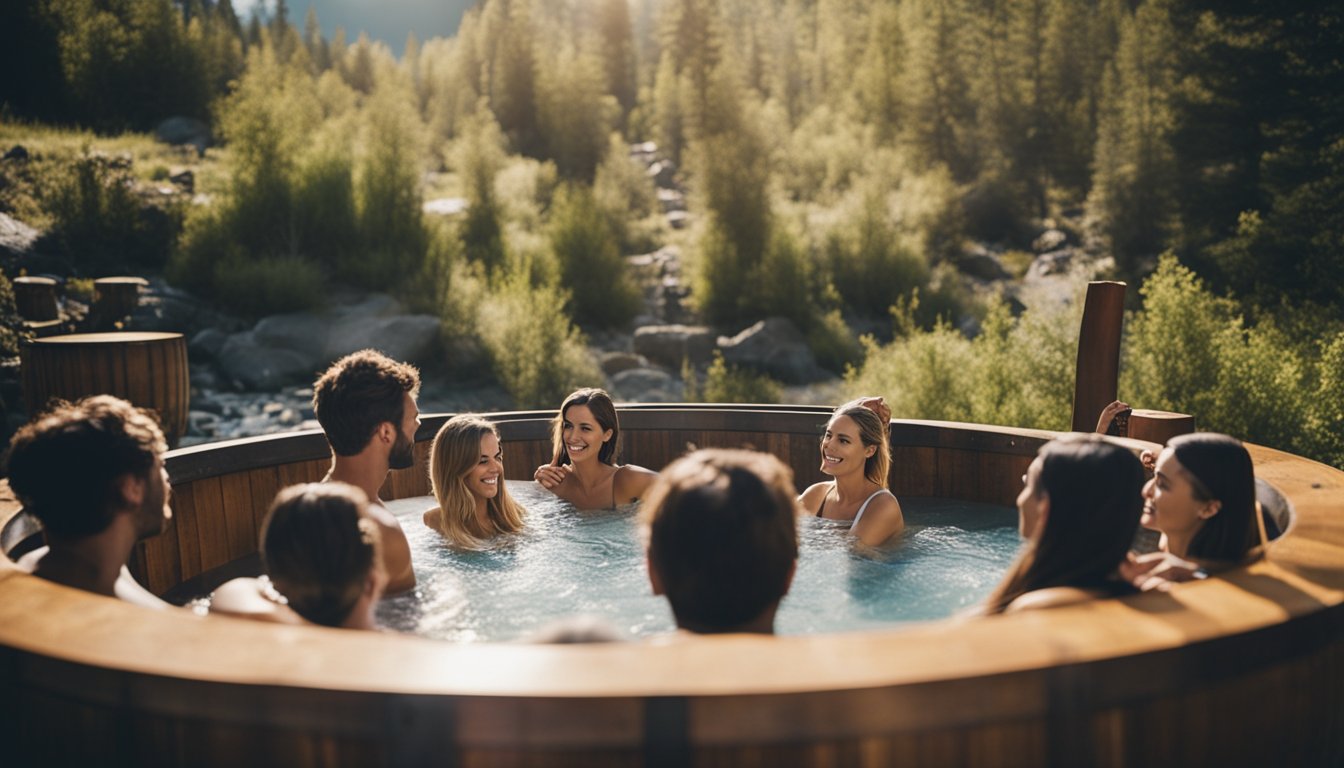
x: 1017, y: 372
x: 100, y: 226
x: 257, y: 287
x: 11, y: 325
x: 730, y: 384
x: 627, y: 197
x: 591, y: 268
x: 870, y: 264
x: 537, y: 353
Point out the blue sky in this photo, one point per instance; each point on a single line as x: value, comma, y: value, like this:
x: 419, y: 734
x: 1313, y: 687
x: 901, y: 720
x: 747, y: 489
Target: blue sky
x: 386, y: 20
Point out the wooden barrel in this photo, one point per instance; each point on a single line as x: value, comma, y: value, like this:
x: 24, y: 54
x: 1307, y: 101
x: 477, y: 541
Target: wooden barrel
x: 148, y: 369
x: 114, y: 298
x: 35, y: 298
x: 1159, y: 426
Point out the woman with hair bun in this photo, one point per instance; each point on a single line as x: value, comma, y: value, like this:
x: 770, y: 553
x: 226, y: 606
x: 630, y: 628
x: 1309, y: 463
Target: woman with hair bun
x: 856, y: 453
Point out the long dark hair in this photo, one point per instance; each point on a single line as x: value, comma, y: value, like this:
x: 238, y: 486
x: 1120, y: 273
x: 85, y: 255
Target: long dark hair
x: 1096, y: 497
x: 599, y: 402
x: 1219, y: 469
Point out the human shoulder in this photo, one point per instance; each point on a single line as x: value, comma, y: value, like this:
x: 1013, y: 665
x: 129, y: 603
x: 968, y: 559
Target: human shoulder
x: 811, y: 498
x: 880, y: 519
x: 251, y: 598
x: 631, y: 481
x: 1051, y: 597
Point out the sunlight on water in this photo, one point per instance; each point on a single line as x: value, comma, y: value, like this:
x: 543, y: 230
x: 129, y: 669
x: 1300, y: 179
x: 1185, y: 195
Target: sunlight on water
x: 569, y: 563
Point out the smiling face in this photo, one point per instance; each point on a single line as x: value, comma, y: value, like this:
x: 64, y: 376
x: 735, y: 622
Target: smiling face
x: 484, y: 476
x: 583, y: 436
x: 1169, y: 501
x: 842, y: 451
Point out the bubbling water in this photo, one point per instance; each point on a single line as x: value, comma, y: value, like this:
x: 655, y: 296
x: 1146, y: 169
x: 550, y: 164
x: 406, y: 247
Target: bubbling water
x: 569, y: 563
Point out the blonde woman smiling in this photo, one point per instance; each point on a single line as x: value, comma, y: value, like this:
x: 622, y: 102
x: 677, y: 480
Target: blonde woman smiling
x: 466, y: 471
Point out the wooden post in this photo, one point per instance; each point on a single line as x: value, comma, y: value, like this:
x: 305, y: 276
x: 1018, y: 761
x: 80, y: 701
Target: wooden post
x: 148, y: 369
x: 35, y: 298
x: 1098, y: 352
x: 113, y: 299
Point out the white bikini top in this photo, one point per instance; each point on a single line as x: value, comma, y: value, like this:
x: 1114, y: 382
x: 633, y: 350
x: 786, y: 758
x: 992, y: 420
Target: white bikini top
x: 858, y: 516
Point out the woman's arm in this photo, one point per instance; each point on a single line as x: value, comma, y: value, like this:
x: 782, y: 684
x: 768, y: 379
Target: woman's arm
x: 881, y: 521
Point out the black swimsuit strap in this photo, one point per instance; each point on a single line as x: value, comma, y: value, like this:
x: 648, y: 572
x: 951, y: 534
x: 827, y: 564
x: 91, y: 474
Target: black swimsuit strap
x: 822, y: 508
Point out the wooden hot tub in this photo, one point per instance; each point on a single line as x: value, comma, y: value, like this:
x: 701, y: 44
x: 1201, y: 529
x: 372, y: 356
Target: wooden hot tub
x: 1245, y: 669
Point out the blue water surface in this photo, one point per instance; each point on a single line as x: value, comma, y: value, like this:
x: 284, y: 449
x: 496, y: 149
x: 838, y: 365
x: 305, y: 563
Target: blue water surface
x: 570, y: 563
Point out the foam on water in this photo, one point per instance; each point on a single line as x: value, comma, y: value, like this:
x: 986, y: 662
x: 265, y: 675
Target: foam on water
x: 569, y: 562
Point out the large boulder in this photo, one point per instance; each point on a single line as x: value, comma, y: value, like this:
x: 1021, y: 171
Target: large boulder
x: 979, y: 262
x: 669, y: 345
x: 411, y: 338
x: 251, y: 364
x: 184, y: 130
x: 1050, y: 240
x: 613, y: 363
x: 16, y: 239
x: 646, y: 385
x: 774, y: 346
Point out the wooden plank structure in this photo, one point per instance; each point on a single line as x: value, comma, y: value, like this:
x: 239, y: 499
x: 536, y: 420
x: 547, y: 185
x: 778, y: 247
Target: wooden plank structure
x: 148, y: 369
x: 1241, y: 669
x: 1098, y: 352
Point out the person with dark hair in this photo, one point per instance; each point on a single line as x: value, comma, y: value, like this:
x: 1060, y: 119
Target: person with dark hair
x: 320, y: 551
x: 466, y: 473
x: 1078, y: 511
x: 92, y: 472
x: 1202, y: 499
x: 365, y: 403
x: 583, y: 469
x: 856, y: 453
x: 722, y: 539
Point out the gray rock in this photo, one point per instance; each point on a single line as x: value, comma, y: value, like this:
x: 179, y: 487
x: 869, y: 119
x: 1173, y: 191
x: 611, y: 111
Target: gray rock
x: 774, y: 346
x: 664, y: 173
x: 1050, y: 240
x: 1053, y: 263
x: 614, y: 362
x: 17, y: 152
x: 445, y: 206
x: 671, y: 200
x: 184, y: 130
x: 645, y: 385
x: 669, y: 345
x: 183, y: 178
x: 302, y: 332
x: 16, y: 238
x: 413, y: 338
x: 258, y: 365
x: 678, y: 219
x: 978, y: 262
x: 206, y: 344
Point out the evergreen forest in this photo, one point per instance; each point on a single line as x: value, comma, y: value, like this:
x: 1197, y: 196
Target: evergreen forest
x: 840, y: 159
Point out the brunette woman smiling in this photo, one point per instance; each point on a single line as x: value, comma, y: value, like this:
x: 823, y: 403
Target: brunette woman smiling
x: 583, y: 470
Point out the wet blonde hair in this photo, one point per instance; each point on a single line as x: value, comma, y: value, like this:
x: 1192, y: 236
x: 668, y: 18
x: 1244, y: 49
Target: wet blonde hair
x: 456, y: 450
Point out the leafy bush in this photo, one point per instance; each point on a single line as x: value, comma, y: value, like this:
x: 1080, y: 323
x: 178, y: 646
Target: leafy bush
x: 870, y: 264
x: 591, y: 268
x: 537, y: 353
x: 1189, y: 351
x: 626, y: 195
x: 1017, y: 372
x: 730, y: 384
x: 256, y: 287
x: 11, y: 325
x: 100, y: 226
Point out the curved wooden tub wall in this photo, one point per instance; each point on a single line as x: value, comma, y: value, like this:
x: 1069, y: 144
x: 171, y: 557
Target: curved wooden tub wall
x: 1238, y: 670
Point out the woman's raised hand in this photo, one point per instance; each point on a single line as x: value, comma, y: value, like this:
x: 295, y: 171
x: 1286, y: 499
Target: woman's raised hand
x: 877, y: 405
x: 549, y: 476
x: 1108, y: 413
